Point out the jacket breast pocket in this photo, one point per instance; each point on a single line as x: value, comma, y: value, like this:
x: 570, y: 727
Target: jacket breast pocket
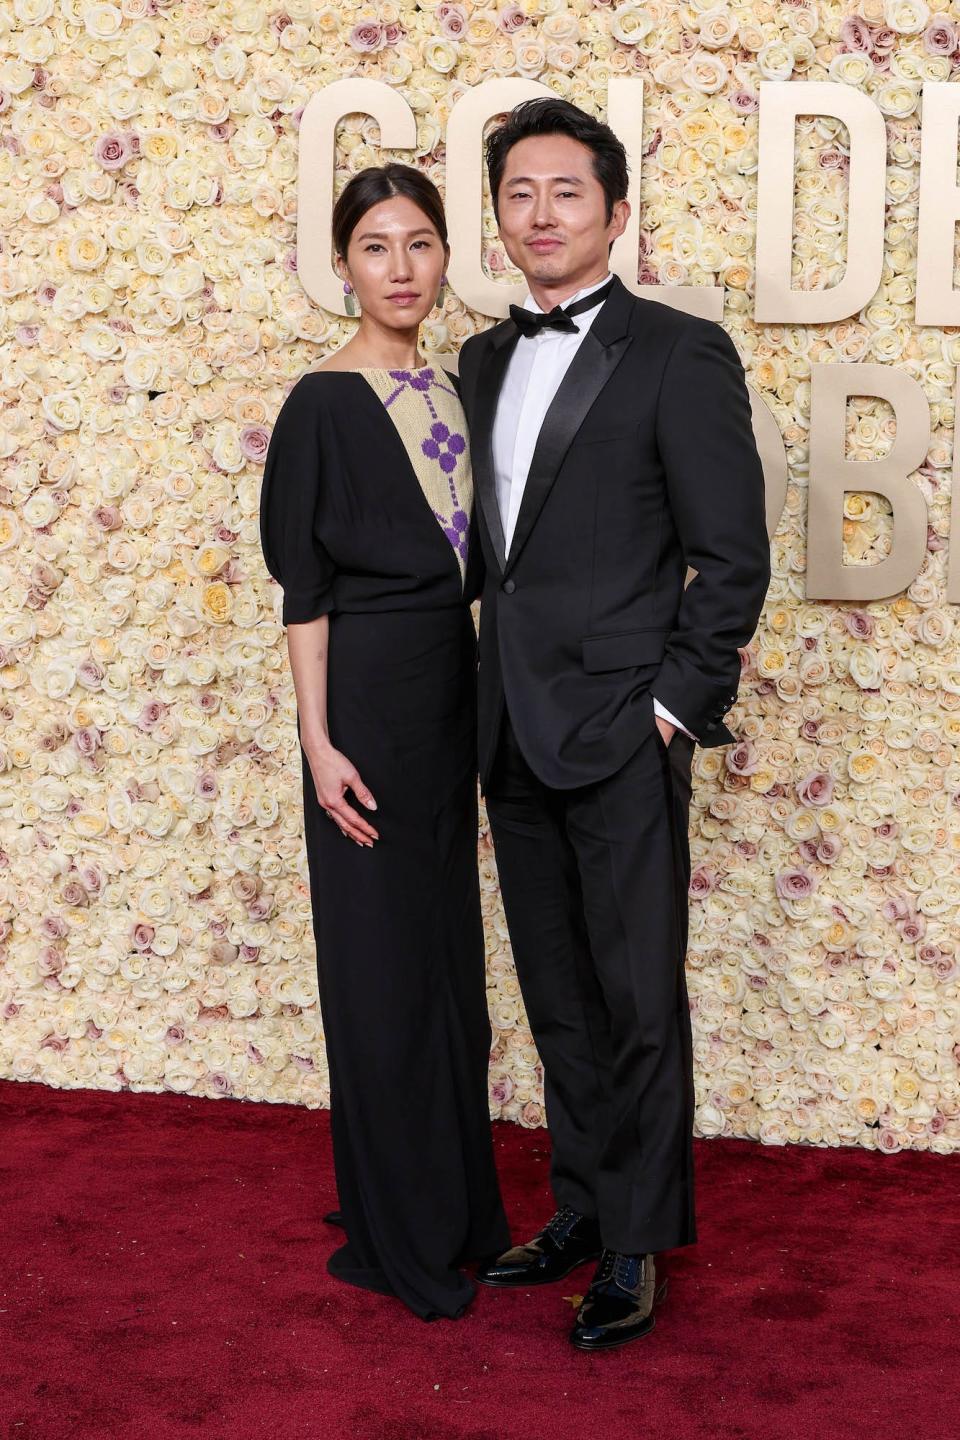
x: 618, y: 652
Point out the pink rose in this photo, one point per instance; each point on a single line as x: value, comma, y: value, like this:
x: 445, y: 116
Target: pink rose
x: 816, y: 788
x: 913, y: 928
x: 859, y: 624
x: 856, y: 36
x: 73, y: 894
x: 152, y: 712
x: 453, y: 21
x: 940, y: 37
x: 511, y: 18
x: 91, y: 879
x: 254, y: 440
x: 703, y: 881
x: 90, y: 674
x: 50, y: 961
x: 745, y: 102
x: 795, y: 884
x: 106, y: 517
x: 741, y: 759
x: 206, y: 785
x: 501, y: 1090
x: 261, y: 907
x: 112, y: 151
x: 367, y: 37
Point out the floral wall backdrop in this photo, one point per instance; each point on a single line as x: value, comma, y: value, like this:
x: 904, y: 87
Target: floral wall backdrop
x: 154, y: 908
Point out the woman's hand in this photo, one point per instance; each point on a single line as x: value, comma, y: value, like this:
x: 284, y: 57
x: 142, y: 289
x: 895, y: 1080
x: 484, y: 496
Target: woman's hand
x: 333, y: 774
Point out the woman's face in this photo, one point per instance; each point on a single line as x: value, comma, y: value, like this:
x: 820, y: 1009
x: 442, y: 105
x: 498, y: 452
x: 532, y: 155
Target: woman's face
x: 395, y: 262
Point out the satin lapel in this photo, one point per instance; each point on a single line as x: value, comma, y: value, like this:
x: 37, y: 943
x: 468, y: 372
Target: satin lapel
x: 588, y: 372
x: 491, y: 372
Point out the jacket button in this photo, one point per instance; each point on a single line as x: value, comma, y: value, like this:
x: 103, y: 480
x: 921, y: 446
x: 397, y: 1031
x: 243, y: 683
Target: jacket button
x: 509, y: 586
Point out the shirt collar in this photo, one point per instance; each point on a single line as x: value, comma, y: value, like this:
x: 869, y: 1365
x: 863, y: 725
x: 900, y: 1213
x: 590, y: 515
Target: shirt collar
x: 531, y: 304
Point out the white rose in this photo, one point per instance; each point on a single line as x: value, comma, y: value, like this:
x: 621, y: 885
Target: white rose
x: 907, y: 17
x: 103, y: 22
x: 705, y: 73
x: 717, y: 29
x: 865, y: 667
x: 775, y: 60
x: 63, y: 409
x: 140, y: 369
x: 631, y: 23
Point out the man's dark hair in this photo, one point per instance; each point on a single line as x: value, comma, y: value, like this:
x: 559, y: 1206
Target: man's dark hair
x: 549, y: 115
x: 381, y: 182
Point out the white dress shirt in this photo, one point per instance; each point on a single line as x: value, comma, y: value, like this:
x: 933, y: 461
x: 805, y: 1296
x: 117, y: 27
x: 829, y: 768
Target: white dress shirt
x: 537, y: 365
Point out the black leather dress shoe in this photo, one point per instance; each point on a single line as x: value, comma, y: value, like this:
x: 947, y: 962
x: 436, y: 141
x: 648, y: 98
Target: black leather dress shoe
x: 568, y: 1240
x: 333, y: 1217
x: 618, y: 1307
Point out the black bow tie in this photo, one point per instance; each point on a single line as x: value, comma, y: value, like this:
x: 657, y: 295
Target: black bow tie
x: 531, y: 322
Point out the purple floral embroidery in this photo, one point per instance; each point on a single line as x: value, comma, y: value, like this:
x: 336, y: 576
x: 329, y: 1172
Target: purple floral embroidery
x: 443, y: 445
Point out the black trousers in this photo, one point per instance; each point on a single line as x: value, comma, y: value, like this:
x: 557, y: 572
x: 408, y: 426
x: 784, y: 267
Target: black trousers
x: 594, y: 883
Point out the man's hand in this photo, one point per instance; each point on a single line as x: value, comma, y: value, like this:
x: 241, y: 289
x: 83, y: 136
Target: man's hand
x: 666, y: 729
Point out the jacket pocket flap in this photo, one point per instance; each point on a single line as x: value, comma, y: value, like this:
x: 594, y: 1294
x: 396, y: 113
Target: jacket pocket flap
x: 616, y: 652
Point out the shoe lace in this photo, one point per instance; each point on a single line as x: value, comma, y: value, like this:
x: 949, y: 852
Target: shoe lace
x: 619, y: 1268
x: 558, y: 1227
x: 606, y: 1267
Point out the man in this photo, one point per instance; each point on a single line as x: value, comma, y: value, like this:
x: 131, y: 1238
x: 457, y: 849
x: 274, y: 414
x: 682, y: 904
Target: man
x: 612, y: 447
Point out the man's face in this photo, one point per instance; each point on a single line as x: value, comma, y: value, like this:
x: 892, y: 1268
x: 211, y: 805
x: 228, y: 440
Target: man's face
x: 552, y: 209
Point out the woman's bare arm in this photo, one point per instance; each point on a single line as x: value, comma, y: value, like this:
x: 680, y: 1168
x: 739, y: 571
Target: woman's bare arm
x: 332, y: 772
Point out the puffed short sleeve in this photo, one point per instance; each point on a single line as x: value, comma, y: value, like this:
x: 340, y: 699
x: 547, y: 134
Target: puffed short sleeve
x: 291, y: 505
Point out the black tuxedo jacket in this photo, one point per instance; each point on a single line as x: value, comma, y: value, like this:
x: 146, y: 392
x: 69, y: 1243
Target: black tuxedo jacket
x: 645, y: 464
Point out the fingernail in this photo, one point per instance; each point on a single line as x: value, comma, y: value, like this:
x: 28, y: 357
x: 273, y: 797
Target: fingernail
x: 371, y: 804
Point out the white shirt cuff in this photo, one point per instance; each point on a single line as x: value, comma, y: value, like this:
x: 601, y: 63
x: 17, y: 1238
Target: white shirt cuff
x: 664, y: 714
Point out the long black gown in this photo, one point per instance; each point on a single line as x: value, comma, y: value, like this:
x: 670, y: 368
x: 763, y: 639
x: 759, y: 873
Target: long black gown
x: 364, y: 517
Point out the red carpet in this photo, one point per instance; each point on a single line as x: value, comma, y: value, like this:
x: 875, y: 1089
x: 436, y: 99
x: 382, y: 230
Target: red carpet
x: 163, y: 1276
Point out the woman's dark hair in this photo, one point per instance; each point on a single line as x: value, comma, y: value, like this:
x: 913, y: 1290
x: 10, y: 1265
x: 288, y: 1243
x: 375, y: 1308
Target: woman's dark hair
x: 549, y: 115
x: 381, y: 182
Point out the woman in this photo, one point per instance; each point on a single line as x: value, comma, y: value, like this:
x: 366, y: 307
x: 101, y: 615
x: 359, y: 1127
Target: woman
x: 365, y: 523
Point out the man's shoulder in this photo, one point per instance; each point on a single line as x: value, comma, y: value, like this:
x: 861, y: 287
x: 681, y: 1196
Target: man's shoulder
x: 662, y: 317
x: 474, y: 343
x: 666, y: 325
